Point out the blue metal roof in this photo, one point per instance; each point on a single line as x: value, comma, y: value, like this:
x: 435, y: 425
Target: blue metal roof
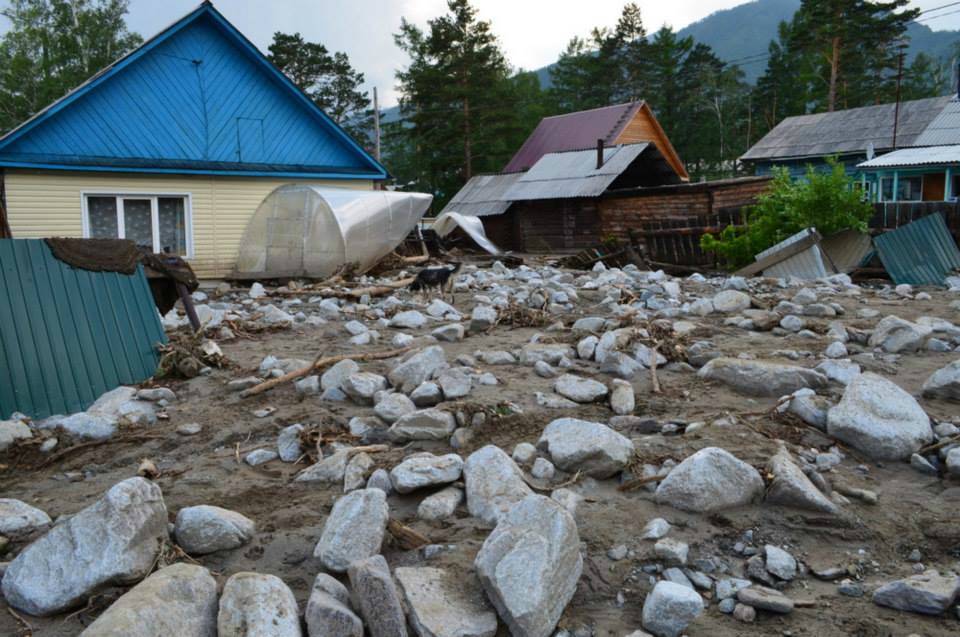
x: 198, y: 98
x: 69, y: 335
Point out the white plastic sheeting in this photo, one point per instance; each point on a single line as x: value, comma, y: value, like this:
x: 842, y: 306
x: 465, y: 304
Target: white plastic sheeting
x: 301, y: 230
x: 473, y: 226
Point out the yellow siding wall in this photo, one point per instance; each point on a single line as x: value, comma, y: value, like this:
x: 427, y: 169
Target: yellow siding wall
x: 48, y: 204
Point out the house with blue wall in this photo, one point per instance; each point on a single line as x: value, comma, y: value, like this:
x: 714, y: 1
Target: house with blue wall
x: 174, y: 146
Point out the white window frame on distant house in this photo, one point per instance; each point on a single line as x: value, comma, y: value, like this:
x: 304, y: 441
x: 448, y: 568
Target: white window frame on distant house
x: 153, y: 197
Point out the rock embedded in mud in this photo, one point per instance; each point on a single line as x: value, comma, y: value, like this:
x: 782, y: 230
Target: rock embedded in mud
x: 761, y: 378
x: 579, y: 390
x: 257, y: 604
x: 671, y: 551
x: 424, y: 424
x: 790, y: 487
x: 113, y: 541
x: 180, y: 599
x: 445, y: 604
x: 928, y: 593
x: 893, y: 334
x: 880, y: 419
x: 494, y: 483
x: 427, y: 470
x: 655, y: 529
x: 483, y: 318
x: 417, y: 368
x: 622, y: 399
x: 354, y: 530
x: 333, y: 378
x: 375, y: 595
x: 530, y: 564
x: 729, y: 301
x: 710, y: 480
x: 330, y: 469
x: 19, y: 519
x: 779, y: 562
x: 454, y: 383
x: 763, y: 598
x: 669, y: 608
x: 944, y: 383
x: 394, y: 406
x: 328, y: 612
x: 441, y: 505
x: 361, y: 387
x: 204, y: 529
x: 288, y: 443
x: 357, y: 469
x: 591, y: 447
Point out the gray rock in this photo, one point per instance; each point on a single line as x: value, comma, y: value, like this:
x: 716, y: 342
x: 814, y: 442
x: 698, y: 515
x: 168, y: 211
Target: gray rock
x: 669, y: 608
x: 729, y: 301
x: 928, y: 593
x: 85, y: 426
x: 543, y: 469
x: 761, y: 378
x: 18, y: 519
x: 328, y: 612
x: 744, y: 613
x: 655, y: 529
x: 156, y: 394
x: 532, y: 353
x: 923, y: 465
x: 497, y: 357
x: 205, y: 529
x: 426, y: 470
x: 953, y: 461
x: 375, y: 596
x: 543, y: 369
x: 330, y: 469
x: 354, y: 530
x: 445, y: 604
x: 588, y: 324
x: 358, y: 468
x: 425, y: 424
x: 671, y: 551
x: 810, y: 408
x: 258, y: 457
x: 417, y: 368
x: 586, y: 347
x: 449, y: 333
x: 790, y: 487
x: 426, y: 394
x: 113, y: 541
x: 579, y: 390
x: 763, y: 598
x: 333, y: 378
x: 240, y: 384
x: 454, y: 383
x: 894, y: 335
x: 288, y: 443
x: 530, y: 564
x: 621, y: 365
x: 440, y: 505
x: 944, y: 383
x: 362, y: 386
x: 380, y: 479
x: 552, y: 401
x: 411, y: 320
x: 880, y: 419
x: 780, y: 563
x: 729, y: 587
x: 590, y: 447
x: 483, y: 318
x: 180, y: 599
x: 710, y: 480
x: 394, y: 406
x: 494, y: 483
x: 524, y: 453
x: 309, y: 386
x: 257, y: 604
x: 622, y: 399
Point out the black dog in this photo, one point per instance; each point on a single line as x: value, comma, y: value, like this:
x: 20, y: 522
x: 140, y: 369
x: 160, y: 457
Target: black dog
x: 440, y: 279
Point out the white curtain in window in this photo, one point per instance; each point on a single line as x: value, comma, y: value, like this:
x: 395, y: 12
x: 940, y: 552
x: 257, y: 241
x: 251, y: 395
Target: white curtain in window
x: 103, y: 217
x: 173, y: 225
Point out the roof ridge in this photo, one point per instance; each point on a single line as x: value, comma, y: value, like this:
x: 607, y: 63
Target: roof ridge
x: 589, y: 110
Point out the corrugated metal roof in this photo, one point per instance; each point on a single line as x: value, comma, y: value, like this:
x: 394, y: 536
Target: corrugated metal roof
x: 196, y: 95
x: 848, y: 131
x: 944, y: 129
x: 483, y: 195
x: 69, y: 335
x: 574, y: 174
x: 805, y: 265
x: 906, y: 157
x: 920, y: 253
x: 573, y: 131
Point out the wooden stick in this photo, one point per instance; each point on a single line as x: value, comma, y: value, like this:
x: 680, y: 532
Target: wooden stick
x: 653, y: 368
x: 317, y: 365
x: 938, y: 445
x: 639, y: 482
x: 374, y: 290
x: 408, y: 539
x: 97, y: 443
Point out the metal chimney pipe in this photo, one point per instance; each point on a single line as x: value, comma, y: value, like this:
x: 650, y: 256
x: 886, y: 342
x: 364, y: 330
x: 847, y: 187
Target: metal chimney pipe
x: 599, y: 154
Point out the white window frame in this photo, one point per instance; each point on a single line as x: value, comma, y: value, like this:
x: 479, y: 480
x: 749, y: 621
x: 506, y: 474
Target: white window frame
x: 120, y: 195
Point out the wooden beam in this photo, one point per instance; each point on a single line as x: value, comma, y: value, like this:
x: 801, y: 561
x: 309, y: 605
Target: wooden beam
x: 771, y: 260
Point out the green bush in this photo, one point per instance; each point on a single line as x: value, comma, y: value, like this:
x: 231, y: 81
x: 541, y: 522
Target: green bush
x: 825, y: 200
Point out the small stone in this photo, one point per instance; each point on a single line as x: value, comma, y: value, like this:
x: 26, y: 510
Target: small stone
x: 449, y: 333
x: 763, y: 598
x: 617, y: 553
x: 440, y: 505
x: 524, y: 453
x: 780, y: 563
x: 354, y: 530
x: 376, y: 597
x: 394, y: 406
x: 288, y: 443
x: 543, y: 469
x: 328, y: 611
x: 380, y: 479
x: 361, y: 387
x: 442, y: 603
x: 425, y: 424
x: 543, y: 369
x: 333, y: 378
x: 622, y: 400
x: 189, y: 429
x: 744, y: 613
x: 494, y: 483
x: 205, y: 529
x: 18, y: 519
x: 928, y: 593
x: 426, y: 470
x: 710, y: 480
x: 580, y: 445
x: 655, y: 529
x: 671, y: 551
x: 669, y: 608
x: 579, y: 390
x: 260, y: 456
x: 257, y: 604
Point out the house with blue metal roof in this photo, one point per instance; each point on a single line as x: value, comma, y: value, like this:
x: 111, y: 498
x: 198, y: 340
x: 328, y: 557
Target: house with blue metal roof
x: 174, y: 146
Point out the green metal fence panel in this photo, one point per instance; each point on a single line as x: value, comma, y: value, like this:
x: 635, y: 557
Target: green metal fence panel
x: 68, y: 335
x: 922, y: 252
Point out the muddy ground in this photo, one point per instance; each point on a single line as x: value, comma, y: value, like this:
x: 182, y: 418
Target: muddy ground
x: 915, y: 511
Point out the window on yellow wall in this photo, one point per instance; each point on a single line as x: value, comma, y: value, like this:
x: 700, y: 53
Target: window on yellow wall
x: 161, y: 223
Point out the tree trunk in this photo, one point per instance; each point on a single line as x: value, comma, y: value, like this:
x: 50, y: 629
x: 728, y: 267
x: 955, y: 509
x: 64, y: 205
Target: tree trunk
x: 467, y: 150
x: 834, y: 72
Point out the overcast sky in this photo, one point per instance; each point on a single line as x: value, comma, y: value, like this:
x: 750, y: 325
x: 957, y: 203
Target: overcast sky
x: 532, y: 32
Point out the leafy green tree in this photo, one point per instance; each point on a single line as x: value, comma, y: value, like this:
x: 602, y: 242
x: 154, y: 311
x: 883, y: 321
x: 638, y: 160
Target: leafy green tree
x: 52, y: 46
x: 461, y: 107
x: 825, y: 200
x: 327, y: 78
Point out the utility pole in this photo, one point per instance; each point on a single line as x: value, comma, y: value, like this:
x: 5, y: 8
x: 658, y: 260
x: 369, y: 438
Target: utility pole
x: 376, y: 125
x: 896, y: 108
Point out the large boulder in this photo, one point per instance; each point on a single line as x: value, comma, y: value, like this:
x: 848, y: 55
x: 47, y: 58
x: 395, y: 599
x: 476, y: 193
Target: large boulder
x: 205, y: 529
x: 442, y: 603
x: 590, y: 447
x: 115, y: 540
x: 792, y: 488
x: 944, y: 383
x: 928, y: 593
x: 354, y: 530
x: 893, y: 334
x: 19, y: 519
x: 761, y: 378
x: 494, y: 483
x: 879, y: 418
x: 530, y: 564
x: 257, y: 604
x: 180, y: 600
x: 710, y: 480
x: 426, y: 470
x: 669, y: 608
x: 417, y: 368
